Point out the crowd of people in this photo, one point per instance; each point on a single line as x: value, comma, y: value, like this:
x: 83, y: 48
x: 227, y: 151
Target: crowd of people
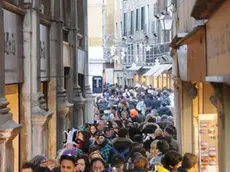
x: 133, y: 130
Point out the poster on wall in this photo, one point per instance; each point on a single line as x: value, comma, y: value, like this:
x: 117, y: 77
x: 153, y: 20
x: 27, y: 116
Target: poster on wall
x: 208, y: 143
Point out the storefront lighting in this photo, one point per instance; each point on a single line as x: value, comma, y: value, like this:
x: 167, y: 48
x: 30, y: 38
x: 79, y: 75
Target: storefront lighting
x: 166, y: 22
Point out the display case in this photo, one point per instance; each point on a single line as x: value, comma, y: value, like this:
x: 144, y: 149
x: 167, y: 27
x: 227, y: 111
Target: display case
x: 208, y: 143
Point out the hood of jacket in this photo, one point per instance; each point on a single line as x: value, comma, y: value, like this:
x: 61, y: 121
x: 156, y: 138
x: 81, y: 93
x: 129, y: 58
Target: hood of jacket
x: 121, y: 143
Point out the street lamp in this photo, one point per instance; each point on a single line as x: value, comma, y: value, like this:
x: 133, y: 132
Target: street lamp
x: 166, y: 22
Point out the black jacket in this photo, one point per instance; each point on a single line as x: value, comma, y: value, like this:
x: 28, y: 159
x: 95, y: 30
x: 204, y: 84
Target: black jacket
x: 120, y: 145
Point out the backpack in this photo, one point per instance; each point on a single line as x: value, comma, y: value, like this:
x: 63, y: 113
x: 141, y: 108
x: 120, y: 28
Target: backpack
x: 123, y: 153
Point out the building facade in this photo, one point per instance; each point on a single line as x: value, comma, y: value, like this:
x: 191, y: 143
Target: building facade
x: 201, y: 79
x: 44, y: 57
x: 140, y: 41
x: 99, y: 39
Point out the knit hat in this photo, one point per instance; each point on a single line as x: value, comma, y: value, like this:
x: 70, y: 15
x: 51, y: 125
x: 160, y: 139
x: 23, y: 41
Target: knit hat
x: 108, y: 125
x: 71, y: 152
x: 37, y: 160
x: 100, y: 133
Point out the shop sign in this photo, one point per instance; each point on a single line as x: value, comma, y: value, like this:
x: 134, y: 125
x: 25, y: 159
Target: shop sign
x: 13, y: 47
x: 218, y: 42
x: 44, y: 52
x: 97, y: 83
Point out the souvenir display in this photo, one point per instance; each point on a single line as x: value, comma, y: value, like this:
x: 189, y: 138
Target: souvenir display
x: 208, y: 143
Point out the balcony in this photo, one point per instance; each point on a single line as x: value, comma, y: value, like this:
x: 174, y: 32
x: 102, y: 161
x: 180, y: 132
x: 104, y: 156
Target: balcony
x: 157, y: 50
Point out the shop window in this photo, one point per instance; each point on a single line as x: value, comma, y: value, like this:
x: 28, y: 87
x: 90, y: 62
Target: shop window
x: 81, y: 16
x: 65, y: 35
x: 12, y: 95
x: 44, y: 91
x: 81, y: 82
x: 137, y: 19
x: 132, y: 22
x: 142, y: 18
x: 66, y: 74
x: 66, y: 5
x: 45, y: 7
x: 125, y: 18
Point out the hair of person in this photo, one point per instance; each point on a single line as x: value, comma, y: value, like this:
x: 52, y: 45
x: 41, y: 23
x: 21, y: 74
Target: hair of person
x: 93, y: 149
x: 28, y: 165
x: 140, y: 162
x: 134, y: 155
x: 85, y: 158
x: 152, y: 119
x: 148, y: 111
x: 170, y: 130
x: 37, y: 160
x: 163, y: 146
x: 122, y: 132
x: 171, y: 158
x: 86, y: 137
x: 67, y: 157
x: 42, y: 169
x: 154, y: 143
x: 137, y: 147
x: 189, y: 160
x: 158, y: 132
x: 137, y: 138
x: 97, y: 159
x: 117, y: 160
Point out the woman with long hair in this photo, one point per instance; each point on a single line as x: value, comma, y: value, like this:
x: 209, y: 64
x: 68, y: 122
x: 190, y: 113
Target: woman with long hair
x: 82, y: 163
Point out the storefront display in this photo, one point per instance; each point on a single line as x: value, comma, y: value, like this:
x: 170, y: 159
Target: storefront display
x: 208, y: 143
x: 12, y: 95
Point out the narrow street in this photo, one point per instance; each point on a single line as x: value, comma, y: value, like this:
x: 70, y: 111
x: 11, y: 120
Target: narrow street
x: 114, y: 85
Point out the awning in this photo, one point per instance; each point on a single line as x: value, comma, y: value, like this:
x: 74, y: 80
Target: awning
x: 147, y: 67
x: 152, y: 70
x: 169, y: 67
x: 161, y: 69
x: 134, y: 68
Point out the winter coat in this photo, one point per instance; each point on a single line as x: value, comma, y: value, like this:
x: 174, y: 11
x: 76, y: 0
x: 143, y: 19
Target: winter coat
x: 164, y: 111
x: 138, y: 170
x: 141, y: 107
x: 162, y: 169
x: 180, y: 169
x: 104, y: 150
x: 120, y: 146
x: 157, y: 159
x: 173, y: 144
